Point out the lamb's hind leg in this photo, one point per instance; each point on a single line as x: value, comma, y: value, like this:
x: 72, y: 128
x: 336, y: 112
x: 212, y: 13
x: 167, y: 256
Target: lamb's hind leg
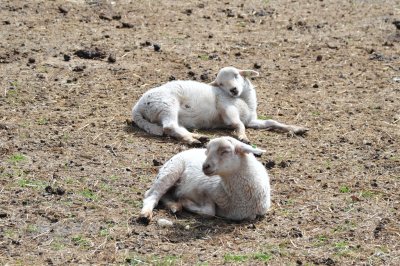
x: 206, y: 208
x: 171, y: 204
x: 168, y: 175
x: 171, y: 127
x: 275, y: 125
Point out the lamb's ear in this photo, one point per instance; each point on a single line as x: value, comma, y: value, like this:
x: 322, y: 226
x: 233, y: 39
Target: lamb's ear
x: 248, y: 73
x: 214, y: 83
x: 242, y: 148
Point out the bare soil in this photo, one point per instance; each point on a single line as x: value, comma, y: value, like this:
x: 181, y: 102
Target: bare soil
x: 73, y: 172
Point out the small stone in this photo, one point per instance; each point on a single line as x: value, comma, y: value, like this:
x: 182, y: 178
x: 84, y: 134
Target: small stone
x: 157, y: 162
x: 79, y: 68
x: 112, y: 58
x: 315, y: 85
x: 319, y: 58
x: 269, y: 164
x: 116, y: 17
x: 105, y: 17
x: 31, y: 60
x: 164, y: 223
x: 66, y: 57
x: 204, y: 76
x: 157, y: 47
x: 257, y: 65
x: 126, y: 25
x: 63, y: 10
x: 396, y: 23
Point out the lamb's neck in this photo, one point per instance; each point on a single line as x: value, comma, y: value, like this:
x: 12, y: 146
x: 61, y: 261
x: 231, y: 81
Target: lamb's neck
x: 234, y: 183
x: 249, y: 95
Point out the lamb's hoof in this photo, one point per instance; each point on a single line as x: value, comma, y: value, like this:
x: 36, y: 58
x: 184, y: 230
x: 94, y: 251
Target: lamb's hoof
x: 196, y: 144
x: 300, y: 131
x: 175, y: 209
x: 145, y: 217
x: 245, y: 140
x: 258, y: 155
x: 204, y: 139
x: 144, y: 220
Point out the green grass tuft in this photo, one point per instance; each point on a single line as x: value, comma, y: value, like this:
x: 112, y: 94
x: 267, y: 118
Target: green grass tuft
x: 344, y: 189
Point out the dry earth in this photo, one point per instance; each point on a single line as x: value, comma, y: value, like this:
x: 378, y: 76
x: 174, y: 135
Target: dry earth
x: 73, y: 172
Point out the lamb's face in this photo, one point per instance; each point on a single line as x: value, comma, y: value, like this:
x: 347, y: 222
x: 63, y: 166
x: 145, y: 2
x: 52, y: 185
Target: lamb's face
x: 230, y: 80
x: 221, y: 157
x: 224, y: 156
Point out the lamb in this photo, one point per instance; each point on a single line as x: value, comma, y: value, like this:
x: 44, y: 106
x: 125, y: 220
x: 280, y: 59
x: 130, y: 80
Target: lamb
x: 224, y: 180
x: 229, y: 101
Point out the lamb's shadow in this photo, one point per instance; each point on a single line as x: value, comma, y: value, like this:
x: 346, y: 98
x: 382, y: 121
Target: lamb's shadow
x: 202, y: 228
x: 189, y: 226
x: 132, y: 128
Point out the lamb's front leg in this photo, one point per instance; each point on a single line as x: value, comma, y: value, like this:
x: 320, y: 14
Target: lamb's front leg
x: 275, y: 125
x: 231, y: 118
x: 168, y: 175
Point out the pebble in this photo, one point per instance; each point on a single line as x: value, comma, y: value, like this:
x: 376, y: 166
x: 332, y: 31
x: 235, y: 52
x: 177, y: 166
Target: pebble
x: 157, y: 47
x: 164, y: 223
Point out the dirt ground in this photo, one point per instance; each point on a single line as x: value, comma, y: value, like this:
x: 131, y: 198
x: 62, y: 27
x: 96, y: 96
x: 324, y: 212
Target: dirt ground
x: 73, y: 172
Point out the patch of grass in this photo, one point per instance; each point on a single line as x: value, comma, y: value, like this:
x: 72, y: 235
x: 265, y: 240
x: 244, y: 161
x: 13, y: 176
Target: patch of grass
x: 42, y: 121
x: 31, y: 228
x: 235, y: 258
x: 57, y: 245
x: 204, y: 57
x: 104, y: 232
x: 89, y: 194
x: 24, y: 182
x: 114, y: 177
x: 316, y: 113
x: 320, y: 241
x: 9, y: 233
x: 344, y: 189
x: 341, y: 248
x: 165, y: 261
x: 328, y: 164
x: 14, y: 84
x: 264, y: 117
x: 17, y: 158
x: 79, y: 240
x: 262, y: 256
x: 65, y: 136
x: 367, y: 194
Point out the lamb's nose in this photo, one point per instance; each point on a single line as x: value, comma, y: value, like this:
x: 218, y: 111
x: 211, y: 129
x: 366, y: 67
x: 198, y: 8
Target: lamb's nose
x: 234, y: 91
x: 206, y: 167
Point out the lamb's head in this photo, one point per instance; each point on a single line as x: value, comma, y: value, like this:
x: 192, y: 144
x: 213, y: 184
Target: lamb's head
x: 224, y: 155
x: 232, y: 80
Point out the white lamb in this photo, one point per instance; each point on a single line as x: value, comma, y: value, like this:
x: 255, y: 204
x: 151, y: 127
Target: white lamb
x: 229, y: 101
x: 223, y: 180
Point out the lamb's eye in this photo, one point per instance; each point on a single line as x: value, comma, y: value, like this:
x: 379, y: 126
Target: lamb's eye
x: 236, y: 76
x: 224, y: 152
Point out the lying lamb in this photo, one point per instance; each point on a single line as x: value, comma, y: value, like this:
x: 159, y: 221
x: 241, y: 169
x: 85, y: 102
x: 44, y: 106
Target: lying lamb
x: 229, y: 101
x: 225, y: 180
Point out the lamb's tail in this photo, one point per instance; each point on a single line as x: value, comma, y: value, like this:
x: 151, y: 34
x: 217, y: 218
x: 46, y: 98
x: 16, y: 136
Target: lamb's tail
x: 144, y: 124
